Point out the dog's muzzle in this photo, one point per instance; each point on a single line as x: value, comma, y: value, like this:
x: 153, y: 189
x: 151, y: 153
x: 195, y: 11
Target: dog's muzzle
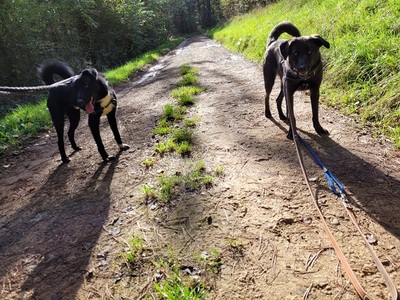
x: 80, y: 103
x: 88, y: 107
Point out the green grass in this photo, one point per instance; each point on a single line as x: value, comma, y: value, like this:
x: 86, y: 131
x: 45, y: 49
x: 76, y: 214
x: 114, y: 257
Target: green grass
x: 170, y: 186
x: 132, y: 255
x: 23, y: 123
x: 123, y: 73
x: 362, y: 73
x: 175, y: 285
x: 184, y: 94
x: 188, y: 79
x: 177, y: 136
x: 27, y: 120
x: 180, y: 135
x: 172, y: 113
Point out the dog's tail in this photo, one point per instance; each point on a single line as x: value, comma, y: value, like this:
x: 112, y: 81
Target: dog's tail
x: 281, y: 28
x: 48, y: 71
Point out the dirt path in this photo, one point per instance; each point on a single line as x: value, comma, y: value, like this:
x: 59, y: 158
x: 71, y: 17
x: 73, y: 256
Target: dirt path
x: 63, y: 227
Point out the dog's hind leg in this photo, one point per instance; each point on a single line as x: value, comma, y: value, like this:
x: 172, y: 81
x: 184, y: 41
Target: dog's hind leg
x: 58, y: 123
x: 314, y: 96
x: 74, y: 117
x: 112, y: 120
x: 269, y: 79
x: 279, y: 105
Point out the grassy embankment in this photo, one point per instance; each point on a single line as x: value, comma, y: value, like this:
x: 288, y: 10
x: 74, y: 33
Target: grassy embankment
x: 27, y: 120
x: 362, y: 74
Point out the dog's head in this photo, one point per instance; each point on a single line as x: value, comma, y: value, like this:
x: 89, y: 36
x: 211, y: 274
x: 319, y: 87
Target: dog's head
x: 303, y: 53
x: 86, y: 87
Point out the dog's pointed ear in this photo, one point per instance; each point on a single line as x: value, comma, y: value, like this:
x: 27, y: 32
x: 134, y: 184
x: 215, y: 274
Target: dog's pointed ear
x: 284, y: 48
x: 90, y: 72
x: 319, y: 41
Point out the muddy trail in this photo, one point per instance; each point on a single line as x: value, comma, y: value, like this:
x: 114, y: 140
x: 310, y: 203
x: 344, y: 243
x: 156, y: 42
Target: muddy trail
x: 253, y: 234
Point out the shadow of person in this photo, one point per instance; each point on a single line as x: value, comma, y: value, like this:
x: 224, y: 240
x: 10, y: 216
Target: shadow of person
x: 58, y: 231
x: 370, y: 185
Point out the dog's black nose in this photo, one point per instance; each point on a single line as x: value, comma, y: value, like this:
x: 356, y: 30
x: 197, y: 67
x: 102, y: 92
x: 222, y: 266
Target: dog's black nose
x: 80, y: 102
x: 302, y: 68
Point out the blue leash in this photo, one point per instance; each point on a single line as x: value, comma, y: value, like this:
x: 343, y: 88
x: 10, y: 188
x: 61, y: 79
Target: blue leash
x: 332, y: 180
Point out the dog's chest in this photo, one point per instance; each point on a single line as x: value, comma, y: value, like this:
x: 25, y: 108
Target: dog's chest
x: 106, y: 104
x: 304, y: 86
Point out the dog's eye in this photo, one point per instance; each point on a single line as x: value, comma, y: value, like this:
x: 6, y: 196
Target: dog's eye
x: 295, y: 53
x: 309, y: 52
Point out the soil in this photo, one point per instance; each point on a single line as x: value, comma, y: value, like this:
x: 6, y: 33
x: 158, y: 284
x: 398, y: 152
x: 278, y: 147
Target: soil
x: 63, y: 227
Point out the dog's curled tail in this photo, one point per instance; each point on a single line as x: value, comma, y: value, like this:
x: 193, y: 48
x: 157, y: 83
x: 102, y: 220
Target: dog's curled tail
x: 47, y: 71
x: 281, y: 28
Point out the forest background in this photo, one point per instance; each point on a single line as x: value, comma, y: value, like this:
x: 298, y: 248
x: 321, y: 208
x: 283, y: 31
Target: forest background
x: 102, y: 33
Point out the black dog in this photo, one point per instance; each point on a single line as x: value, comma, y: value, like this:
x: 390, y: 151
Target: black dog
x: 88, y: 91
x: 298, y: 63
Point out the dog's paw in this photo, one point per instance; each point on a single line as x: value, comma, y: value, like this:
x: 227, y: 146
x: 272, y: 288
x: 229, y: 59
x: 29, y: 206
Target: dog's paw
x: 109, y: 158
x: 321, y: 131
x: 290, y: 135
x: 123, y: 147
x: 65, y: 160
x: 283, y: 117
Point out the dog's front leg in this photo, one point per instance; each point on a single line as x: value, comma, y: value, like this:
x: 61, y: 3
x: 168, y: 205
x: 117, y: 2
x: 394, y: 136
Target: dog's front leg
x: 288, y: 91
x: 94, y: 125
x: 279, y: 105
x: 57, y: 117
x: 74, y: 117
x: 59, y: 126
x: 314, y: 96
x: 112, y: 120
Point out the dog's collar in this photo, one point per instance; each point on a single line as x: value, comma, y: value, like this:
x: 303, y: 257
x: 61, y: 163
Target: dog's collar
x: 291, y: 74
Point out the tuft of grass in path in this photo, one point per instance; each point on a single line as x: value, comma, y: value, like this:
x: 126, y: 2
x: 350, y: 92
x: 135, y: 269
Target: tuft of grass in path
x: 362, y: 73
x: 180, y: 138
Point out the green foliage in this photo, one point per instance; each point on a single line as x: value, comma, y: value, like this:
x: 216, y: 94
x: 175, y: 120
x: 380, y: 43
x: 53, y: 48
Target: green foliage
x: 174, y: 185
x: 148, y: 191
x: 167, y: 184
x: 184, y: 94
x: 173, y: 285
x: 22, y: 123
x: 182, y: 135
x: 123, y: 72
x: 213, y: 261
x: 183, y: 148
x: 362, y: 71
x: 131, y: 256
x: 188, y: 79
x: 101, y: 33
x: 172, y: 113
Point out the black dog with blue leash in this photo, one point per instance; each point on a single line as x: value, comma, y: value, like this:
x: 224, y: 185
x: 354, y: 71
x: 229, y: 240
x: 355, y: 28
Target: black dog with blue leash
x: 299, y: 61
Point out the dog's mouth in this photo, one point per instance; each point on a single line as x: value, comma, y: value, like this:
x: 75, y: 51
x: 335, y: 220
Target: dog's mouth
x: 89, y: 107
x: 302, y: 74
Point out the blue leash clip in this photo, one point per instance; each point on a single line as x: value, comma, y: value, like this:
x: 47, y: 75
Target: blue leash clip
x: 332, y: 180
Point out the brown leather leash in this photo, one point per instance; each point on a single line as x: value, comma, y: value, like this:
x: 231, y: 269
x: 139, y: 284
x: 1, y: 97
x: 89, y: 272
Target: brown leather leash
x: 352, y: 276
